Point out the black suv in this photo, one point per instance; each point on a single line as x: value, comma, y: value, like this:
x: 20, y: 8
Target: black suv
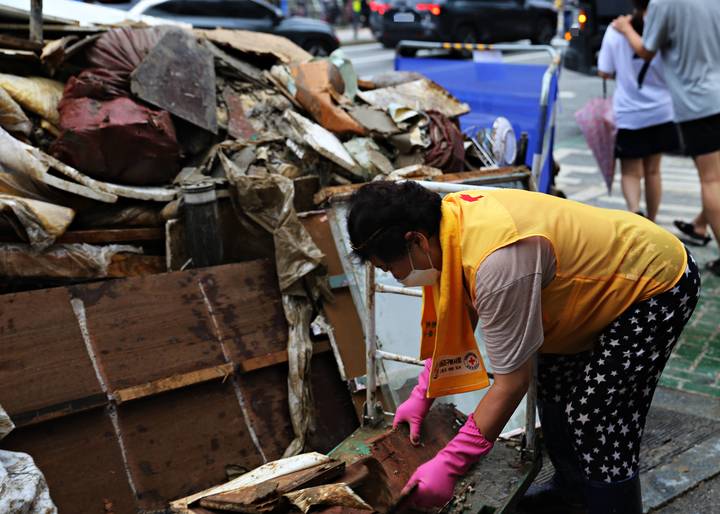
x: 465, y: 21
x: 592, y: 20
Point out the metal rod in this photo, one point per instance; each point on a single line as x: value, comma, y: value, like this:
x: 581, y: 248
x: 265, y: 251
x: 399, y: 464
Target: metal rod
x: 36, y: 21
x: 407, y: 291
x: 449, y: 187
x: 398, y: 358
x: 370, y: 344
x: 530, y: 409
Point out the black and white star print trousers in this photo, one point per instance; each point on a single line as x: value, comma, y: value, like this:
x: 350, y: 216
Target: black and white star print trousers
x: 606, y: 392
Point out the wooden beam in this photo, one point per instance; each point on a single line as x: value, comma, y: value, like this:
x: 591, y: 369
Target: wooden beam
x: 36, y: 21
x: 280, y: 357
x: 172, y: 383
x: 123, y: 235
x: 19, y: 43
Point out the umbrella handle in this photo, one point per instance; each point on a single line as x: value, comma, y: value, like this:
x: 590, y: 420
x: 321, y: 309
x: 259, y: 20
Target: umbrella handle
x: 604, y: 88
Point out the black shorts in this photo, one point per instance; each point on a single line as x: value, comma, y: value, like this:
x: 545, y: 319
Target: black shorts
x: 701, y: 136
x: 636, y: 144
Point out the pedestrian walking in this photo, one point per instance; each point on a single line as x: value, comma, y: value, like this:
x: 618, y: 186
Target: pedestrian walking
x: 685, y: 33
x: 356, y: 13
x: 602, y: 295
x: 643, y: 115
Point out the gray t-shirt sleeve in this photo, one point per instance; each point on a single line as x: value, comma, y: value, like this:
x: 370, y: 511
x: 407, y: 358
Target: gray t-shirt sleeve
x: 508, y: 288
x: 655, y: 32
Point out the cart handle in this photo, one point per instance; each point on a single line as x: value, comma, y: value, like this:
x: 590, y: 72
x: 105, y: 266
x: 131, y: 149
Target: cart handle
x: 439, y: 45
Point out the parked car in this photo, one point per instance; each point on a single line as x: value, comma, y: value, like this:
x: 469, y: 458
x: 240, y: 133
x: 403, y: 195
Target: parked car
x: 592, y: 19
x: 315, y: 36
x: 465, y: 21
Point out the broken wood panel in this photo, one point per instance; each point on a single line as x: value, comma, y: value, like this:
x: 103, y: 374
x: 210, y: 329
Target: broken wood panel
x: 268, y: 493
x: 148, y: 328
x: 266, y: 398
x: 334, y: 412
x: 341, y: 312
x: 180, y: 442
x: 265, y: 392
x: 171, y: 383
x: 42, y: 373
x: 247, y: 305
x: 113, y: 235
x: 81, y: 460
x: 278, y: 357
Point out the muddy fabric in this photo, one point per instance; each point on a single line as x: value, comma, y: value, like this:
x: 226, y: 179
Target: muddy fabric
x: 447, y: 151
x: 606, y: 392
x: 23, y: 489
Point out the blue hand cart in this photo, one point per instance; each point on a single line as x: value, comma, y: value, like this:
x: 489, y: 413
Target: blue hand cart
x: 525, y: 94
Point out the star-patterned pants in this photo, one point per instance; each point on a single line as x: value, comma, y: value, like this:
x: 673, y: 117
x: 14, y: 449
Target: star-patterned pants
x: 606, y: 392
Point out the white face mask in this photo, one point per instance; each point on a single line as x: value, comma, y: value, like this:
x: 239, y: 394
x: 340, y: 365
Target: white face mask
x: 421, y: 277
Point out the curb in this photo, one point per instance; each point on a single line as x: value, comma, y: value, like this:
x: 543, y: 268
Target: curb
x: 353, y: 42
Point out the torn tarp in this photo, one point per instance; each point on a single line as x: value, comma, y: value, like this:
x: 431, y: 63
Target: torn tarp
x: 319, y: 89
x: 23, y: 489
x: 422, y: 95
x: 36, y: 222
x: 36, y: 94
x: 12, y: 117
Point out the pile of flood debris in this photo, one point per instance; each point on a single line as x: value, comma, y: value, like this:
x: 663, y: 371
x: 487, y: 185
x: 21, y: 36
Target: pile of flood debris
x: 104, y: 129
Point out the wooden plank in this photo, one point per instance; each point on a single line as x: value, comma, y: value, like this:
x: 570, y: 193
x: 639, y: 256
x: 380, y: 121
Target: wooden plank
x: 247, y: 308
x: 113, y: 235
x: 149, y: 328
x: 328, y: 192
x: 179, y: 443
x: 280, y: 357
x: 171, y: 383
x: 341, y: 312
x: 267, y: 404
x: 7, y: 41
x: 266, y: 495
x: 45, y: 366
x: 81, y: 460
x: 124, y: 265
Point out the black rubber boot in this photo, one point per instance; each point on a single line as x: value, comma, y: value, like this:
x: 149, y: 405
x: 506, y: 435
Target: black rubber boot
x: 564, y: 493
x: 614, y: 498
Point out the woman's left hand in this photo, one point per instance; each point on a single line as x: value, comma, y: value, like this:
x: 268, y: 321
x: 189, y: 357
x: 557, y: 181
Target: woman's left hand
x: 436, y: 478
x: 622, y: 23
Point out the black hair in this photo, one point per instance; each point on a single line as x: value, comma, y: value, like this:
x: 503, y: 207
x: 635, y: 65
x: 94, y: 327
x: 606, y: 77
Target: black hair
x: 637, y: 21
x: 381, y: 213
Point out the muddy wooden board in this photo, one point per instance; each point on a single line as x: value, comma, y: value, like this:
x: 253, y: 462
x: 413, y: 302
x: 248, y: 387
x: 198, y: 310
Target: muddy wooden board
x: 341, y: 312
x: 148, y: 328
x: 248, y: 309
x: 81, y: 460
x: 179, y: 443
x: 267, y: 403
x: 42, y: 374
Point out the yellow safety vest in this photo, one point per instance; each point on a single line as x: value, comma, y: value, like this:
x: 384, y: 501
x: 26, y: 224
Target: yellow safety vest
x: 606, y: 260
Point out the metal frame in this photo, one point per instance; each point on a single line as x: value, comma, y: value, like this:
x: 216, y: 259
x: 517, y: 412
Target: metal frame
x: 542, y: 146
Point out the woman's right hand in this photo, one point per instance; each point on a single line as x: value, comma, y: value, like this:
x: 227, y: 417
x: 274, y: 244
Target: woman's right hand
x: 413, y: 410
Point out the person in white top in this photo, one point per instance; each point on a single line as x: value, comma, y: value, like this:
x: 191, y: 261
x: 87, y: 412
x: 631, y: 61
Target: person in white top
x: 643, y: 114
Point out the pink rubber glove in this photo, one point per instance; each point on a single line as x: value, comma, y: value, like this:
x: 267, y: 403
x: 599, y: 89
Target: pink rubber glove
x: 436, y: 478
x: 413, y: 410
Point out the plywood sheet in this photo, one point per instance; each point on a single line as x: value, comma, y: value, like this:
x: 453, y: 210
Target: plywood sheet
x: 180, y: 442
x: 247, y: 303
x: 267, y: 401
x: 40, y: 372
x: 81, y: 460
x: 147, y: 328
x: 341, y: 312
